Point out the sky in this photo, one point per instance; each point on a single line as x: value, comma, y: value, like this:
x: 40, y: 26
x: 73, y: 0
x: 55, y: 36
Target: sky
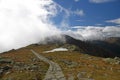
x: 25, y: 22
x: 91, y: 12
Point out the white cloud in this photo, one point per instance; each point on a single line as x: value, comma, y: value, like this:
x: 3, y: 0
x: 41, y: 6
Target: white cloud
x: 76, y: 0
x: 23, y: 22
x: 79, y: 12
x: 64, y: 23
x: 80, y: 20
x: 116, y: 21
x: 94, y: 33
x: 62, y: 9
x: 98, y: 24
x: 100, y: 1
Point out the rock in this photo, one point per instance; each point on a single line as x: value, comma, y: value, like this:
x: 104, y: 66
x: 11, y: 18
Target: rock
x: 35, y: 60
x: 117, y: 58
x: 8, y: 72
x: 1, y: 71
x: 66, y: 62
x: 73, y: 64
x: 27, y: 67
x: 71, y: 47
x: 21, y: 64
x: 70, y: 77
x: 34, y: 67
x: 3, y: 60
x: 117, y: 62
x: 81, y: 75
x: 105, y: 74
x: 69, y: 63
x: 90, y: 75
x: 16, y: 67
x: 30, y: 67
x: 50, y: 58
x: 109, y: 60
x: 6, y: 68
x: 104, y: 68
x: 111, y: 68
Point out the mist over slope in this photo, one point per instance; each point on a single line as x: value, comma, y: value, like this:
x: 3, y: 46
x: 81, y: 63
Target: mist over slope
x: 22, y: 24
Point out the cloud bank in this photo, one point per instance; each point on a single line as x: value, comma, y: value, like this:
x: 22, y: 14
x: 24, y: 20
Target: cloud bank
x: 93, y: 32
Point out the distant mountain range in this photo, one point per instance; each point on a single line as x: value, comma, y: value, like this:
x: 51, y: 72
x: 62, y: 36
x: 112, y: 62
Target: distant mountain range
x: 109, y: 47
x: 111, y: 44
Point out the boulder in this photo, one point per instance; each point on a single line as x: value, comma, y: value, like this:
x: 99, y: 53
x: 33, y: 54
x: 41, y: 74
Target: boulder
x: 115, y: 60
x: 1, y: 71
x: 71, y: 47
x: 3, y: 60
x: 5, y: 68
x: 69, y: 63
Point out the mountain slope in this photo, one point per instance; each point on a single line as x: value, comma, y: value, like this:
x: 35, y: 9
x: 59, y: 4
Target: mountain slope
x: 95, y: 48
x: 90, y: 48
x: 111, y: 44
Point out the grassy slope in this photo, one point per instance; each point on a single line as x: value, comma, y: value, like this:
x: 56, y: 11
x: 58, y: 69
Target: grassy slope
x: 94, y: 67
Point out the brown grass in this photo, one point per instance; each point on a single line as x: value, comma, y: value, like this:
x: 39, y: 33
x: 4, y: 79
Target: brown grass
x: 94, y: 67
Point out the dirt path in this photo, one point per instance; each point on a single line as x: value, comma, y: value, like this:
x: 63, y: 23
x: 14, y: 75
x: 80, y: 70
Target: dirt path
x: 54, y: 72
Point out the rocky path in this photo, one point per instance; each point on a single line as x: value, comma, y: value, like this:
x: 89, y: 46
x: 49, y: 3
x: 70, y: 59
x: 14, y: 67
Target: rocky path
x: 54, y: 72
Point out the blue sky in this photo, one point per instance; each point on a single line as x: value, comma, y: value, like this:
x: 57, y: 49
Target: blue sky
x: 89, y: 12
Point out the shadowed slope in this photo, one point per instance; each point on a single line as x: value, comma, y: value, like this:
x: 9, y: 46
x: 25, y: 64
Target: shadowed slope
x: 89, y: 48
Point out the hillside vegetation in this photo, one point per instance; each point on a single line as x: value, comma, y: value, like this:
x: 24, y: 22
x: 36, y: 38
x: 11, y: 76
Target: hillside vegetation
x: 21, y: 64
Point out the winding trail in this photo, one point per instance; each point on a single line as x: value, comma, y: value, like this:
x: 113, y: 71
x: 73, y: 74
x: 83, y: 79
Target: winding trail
x: 54, y: 72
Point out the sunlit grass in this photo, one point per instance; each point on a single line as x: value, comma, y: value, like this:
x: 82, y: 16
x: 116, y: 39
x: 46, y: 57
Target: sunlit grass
x: 94, y: 67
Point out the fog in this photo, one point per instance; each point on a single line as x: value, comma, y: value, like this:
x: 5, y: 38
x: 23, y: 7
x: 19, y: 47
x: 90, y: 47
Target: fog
x: 24, y: 22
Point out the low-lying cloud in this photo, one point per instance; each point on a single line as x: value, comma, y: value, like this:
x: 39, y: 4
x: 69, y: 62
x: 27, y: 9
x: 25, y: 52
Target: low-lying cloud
x: 94, y: 33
